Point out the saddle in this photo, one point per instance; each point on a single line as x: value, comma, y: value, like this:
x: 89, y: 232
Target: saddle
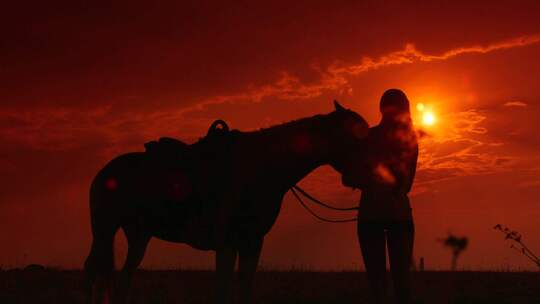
x: 168, y: 149
x: 205, y: 163
x: 165, y: 146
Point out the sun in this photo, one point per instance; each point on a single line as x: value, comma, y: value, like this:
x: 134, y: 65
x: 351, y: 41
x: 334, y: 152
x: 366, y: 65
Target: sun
x: 428, y: 118
x: 427, y: 115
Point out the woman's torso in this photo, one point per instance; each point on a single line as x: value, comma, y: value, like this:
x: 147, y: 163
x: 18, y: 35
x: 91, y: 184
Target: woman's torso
x: 392, y: 156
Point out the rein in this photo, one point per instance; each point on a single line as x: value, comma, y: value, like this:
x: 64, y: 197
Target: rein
x: 318, y: 202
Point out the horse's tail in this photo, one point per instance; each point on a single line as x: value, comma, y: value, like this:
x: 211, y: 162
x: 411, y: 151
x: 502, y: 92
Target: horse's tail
x: 99, y: 265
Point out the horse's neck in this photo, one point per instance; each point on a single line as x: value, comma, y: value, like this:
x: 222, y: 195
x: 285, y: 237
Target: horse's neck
x: 303, y: 149
x: 299, y: 171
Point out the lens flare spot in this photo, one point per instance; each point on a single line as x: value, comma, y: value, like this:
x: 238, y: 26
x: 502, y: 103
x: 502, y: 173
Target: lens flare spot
x: 111, y: 184
x: 420, y: 107
x: 384, y: 175
x: 301, y: 144
x: 179, y: 186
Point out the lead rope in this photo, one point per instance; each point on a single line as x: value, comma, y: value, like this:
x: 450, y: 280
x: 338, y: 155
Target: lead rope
x: 316, y: 201
x: 295, y: 188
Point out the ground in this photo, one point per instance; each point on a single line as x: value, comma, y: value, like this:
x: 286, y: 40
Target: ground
x: 47, y: 286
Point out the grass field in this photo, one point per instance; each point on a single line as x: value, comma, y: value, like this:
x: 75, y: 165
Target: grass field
x: 278, y: 287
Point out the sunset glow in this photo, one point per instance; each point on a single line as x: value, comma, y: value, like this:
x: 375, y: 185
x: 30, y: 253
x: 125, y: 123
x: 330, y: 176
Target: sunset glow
x: 82, y: 85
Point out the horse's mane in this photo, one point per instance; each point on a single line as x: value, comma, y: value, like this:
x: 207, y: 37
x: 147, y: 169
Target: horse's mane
x: 278, y: 128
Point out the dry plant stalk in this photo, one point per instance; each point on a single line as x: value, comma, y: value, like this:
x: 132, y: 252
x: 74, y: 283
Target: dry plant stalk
x: 517, y: 243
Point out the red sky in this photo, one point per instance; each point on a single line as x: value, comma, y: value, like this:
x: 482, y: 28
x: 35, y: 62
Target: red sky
x: 81, y: 84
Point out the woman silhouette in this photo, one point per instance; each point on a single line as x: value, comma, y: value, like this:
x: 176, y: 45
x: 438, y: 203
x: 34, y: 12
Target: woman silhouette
x: 385, y: 216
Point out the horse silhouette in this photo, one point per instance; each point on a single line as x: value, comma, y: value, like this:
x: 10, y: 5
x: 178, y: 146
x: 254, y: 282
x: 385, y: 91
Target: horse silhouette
x: 222, y: 193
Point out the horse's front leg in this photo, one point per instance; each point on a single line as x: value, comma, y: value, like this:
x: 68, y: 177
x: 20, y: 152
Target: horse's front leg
x: 249, y: 252
x: 225, y: 262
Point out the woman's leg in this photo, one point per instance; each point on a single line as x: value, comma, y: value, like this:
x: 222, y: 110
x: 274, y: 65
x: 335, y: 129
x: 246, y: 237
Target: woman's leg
x: 400, y: 248
x: 371, y: 237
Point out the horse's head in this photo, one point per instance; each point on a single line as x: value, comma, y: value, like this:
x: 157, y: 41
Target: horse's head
x: 347, y: 133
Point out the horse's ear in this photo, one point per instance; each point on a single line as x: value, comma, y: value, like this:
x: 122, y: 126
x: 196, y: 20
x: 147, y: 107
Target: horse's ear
x: 339, y: 108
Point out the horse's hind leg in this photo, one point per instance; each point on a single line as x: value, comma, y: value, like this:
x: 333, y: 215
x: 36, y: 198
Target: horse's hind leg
x: 137, y: 243
x: 225, y: 262
x: 99, y: 265
x: 249, y: 252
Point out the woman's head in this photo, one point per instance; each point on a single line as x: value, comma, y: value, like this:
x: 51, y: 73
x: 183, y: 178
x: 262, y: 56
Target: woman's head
x: 394, y: 106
